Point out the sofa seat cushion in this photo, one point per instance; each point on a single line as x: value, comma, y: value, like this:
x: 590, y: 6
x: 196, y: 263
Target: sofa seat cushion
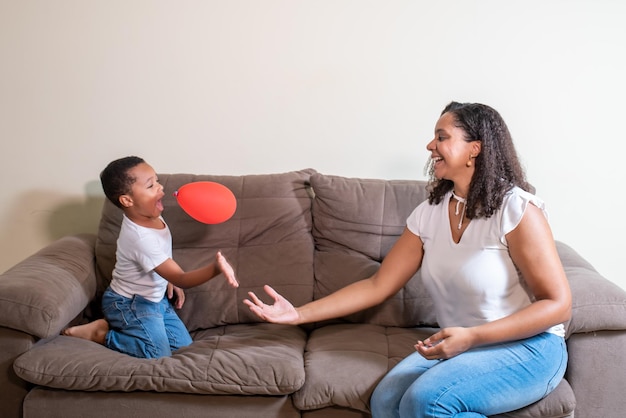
x: 260, y: 359
x: 345, y: 362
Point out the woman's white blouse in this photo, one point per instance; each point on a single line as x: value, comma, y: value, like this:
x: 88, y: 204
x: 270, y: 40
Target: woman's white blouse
x: 475, y: 281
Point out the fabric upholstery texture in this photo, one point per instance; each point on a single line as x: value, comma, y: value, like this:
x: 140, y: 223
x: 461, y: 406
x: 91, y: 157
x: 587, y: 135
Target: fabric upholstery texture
x: 344, y: 362
x: 44, y: 402
x: 60, y: 287
x: 599, y: 303
x: 261, y: 359
x: 356, y: 221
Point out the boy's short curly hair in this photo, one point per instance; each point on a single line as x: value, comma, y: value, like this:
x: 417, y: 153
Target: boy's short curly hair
x: 116, y: 180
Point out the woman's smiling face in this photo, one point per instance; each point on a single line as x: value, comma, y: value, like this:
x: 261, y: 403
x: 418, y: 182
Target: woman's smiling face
x: 450, y: 151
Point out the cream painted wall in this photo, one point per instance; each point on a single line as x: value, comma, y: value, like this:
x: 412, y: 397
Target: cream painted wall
x: 347, y: 87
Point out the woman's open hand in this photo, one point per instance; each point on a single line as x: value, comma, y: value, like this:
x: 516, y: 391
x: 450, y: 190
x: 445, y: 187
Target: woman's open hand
x: 281, y: 312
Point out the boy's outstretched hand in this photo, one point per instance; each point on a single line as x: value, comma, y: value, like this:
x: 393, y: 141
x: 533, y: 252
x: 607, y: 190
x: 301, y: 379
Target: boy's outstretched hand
x: 226, y: 269
x: 281, y: 312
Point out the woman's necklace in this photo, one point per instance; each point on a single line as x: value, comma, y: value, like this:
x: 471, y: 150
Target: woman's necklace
x: 459, y: 200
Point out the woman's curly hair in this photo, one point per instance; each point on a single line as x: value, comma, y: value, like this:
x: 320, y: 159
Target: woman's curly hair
x: 497, y: 166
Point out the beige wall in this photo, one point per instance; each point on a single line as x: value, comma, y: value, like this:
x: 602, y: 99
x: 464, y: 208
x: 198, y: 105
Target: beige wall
x: 347, y: 87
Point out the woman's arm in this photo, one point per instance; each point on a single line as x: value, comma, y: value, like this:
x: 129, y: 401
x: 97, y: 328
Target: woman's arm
x: 533, y: 251
x: 403, y: 260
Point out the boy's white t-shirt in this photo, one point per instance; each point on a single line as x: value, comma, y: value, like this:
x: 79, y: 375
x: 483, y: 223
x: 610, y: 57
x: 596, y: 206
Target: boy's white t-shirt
x: 475, y: 281
x: 139, y: 251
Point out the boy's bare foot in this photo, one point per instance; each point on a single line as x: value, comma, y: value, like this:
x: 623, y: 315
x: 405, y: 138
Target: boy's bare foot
x: 94, y: 331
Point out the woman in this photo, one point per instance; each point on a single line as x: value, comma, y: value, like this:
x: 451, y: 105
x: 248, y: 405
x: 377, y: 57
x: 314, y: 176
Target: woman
x: 489, y: 262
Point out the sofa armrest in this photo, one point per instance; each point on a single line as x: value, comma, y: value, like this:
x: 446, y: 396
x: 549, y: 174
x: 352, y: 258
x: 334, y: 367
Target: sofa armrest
x: 595, y: 371
x: 597, y: 303
x: 43, y: 293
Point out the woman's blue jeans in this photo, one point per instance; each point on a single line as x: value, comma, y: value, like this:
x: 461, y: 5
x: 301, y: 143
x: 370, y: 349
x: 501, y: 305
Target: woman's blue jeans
x: 141, y: 328
x: 480, y: 382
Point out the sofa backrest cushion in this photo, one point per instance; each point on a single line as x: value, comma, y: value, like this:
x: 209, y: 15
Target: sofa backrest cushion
x: 597, y: 303
x: 355, y: 224
x: 268, y: 241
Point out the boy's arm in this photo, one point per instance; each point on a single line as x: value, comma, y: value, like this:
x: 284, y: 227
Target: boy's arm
x: 173, y: 273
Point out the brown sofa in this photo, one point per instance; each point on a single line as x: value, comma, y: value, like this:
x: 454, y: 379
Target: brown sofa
x: 306, y: 234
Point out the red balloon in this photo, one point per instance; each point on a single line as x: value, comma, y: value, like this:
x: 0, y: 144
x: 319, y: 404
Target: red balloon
x: 206, y: 201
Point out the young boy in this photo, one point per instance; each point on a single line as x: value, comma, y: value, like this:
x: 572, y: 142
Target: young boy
x: 139, y: 319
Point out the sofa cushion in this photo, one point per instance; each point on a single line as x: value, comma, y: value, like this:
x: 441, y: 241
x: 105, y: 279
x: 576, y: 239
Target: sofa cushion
x: 355, y: 223
x: 259, y: 359
x: 345, y: 362
x: 60, y: 279
x: 268, y: 240
x: 597, y: 304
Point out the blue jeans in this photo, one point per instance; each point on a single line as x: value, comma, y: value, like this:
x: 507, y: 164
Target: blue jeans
x: 477, y: 383
x: 141, y: 328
